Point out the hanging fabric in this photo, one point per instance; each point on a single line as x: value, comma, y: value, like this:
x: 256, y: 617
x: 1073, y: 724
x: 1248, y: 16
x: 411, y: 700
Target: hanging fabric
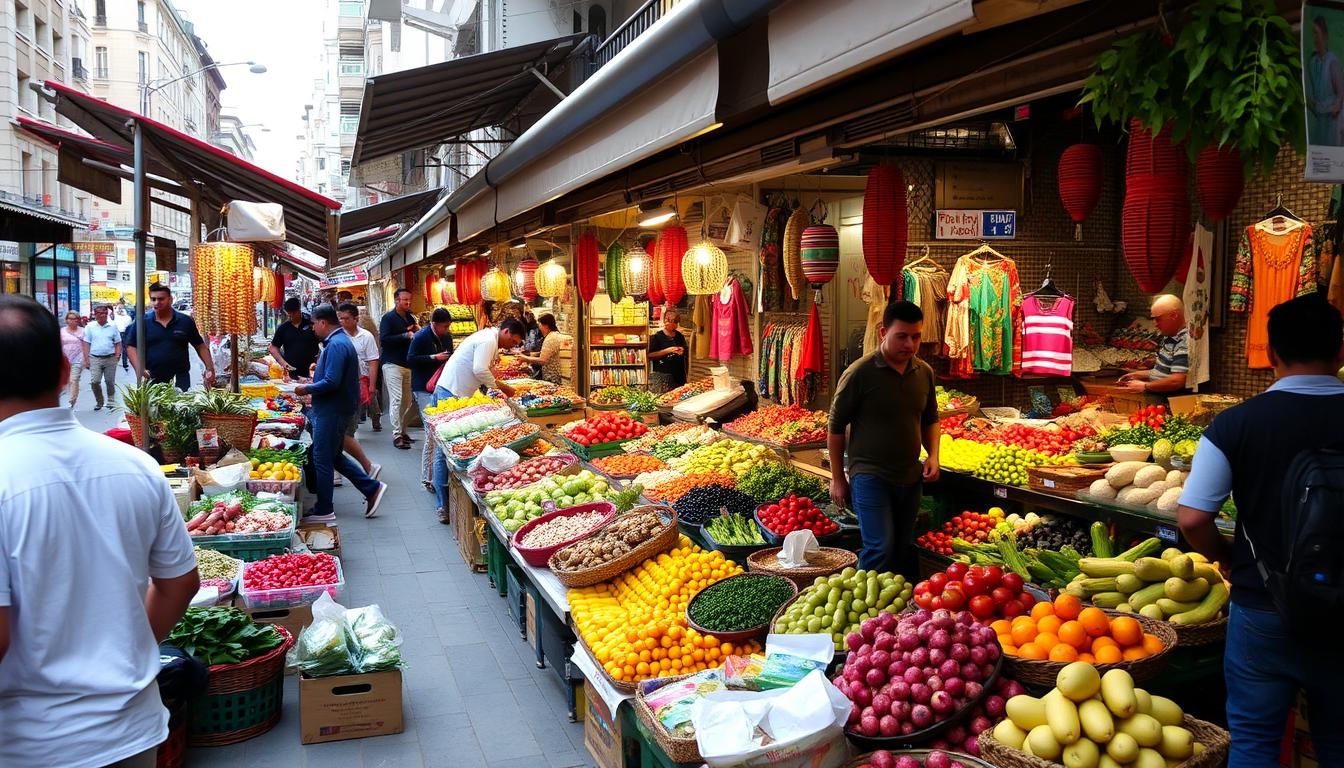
x: 1047, y: 335
x: 811, y: 369
x: 924, y: 283
x: 984, y: 314
x: 731, y: 334
x: 1276, y: 261
x: 875, y: 296
x: 1196, y: 298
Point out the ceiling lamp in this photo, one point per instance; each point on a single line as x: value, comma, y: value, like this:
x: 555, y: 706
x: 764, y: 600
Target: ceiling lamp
x: 704, y: 268
x: 635, y: 268
x: 1155, y: 218
x: 1079, y: 180
x: 586, y: 266
x: 525, y: 278
x: 1218, y: 181
x: 551, y: 279
x: 820, y: 256
x: 656, y: 216
x: 495, y: 286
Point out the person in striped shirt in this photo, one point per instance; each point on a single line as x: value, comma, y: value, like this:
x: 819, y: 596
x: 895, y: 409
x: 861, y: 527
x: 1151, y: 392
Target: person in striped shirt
x: 1167, y: 376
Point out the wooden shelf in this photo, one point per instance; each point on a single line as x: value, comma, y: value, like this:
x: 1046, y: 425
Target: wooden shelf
x: 622, y: 346
x: 615, y: 365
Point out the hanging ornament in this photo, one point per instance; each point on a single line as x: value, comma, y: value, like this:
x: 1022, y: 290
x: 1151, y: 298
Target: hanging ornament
x: 672, y: 246
x: 586, y: 266
x: 1218, y: 181
x: 1156, y: 214
x: 704, y: 269
x: 655, y: 291
x: 551, y: 279
x: 525, y: 276
x: 885, y: 223
x: 616, y: 289
x: 278, y: 284
x: 222, y: 287
x: 820, y: 256
x: 793, y: 251
x: 635, y: 268
x: 1079, y: 179
x: 495, y: 286
x: 467, y: 274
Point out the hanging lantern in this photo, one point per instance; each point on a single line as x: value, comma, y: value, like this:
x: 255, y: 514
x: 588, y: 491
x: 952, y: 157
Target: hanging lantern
x: 885, y: 223
x: 586, y: 266
x: 672, y: 246
x: 447, y: 291
x: 278, y: 283
x: 615, y: 258
x: 222, y: 287
x: 525, y: 277
x: 1156, y: 215
x: 551, y: 279
x: 467, y: 275
x: 431, y: 289
x: 793, y: 251
x: 635, y: 268
x: 495, y: 286
x: 1218, y: 181
x: 655, y: 291
x: 820, y: 256
x: 704, y: 269
x: 1079, y: 179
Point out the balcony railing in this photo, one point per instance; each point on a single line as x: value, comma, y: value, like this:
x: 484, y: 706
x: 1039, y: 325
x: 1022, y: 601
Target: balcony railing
x: 78, y: 70
x: 638, y: 23
x: 100, y: 20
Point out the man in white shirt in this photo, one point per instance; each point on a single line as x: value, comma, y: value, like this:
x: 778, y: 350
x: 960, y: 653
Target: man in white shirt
x: 469, y: 368
x: 123, y: 321
x: 102, y: 346
x: 95, y: 568
x: 366, y: 351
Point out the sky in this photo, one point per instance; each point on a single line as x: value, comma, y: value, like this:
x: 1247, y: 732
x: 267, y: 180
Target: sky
x: 285, y: 36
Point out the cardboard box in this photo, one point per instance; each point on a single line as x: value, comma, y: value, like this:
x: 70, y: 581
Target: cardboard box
x: 556, y: 419
x: 305, y: 531
x: 350, y: 706
x: 530, y: 621
x: 601, y: 730
x: 292, y: 619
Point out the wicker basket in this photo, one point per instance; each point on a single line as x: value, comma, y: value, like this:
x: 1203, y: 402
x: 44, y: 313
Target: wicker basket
x: 1208, y: 633
x: 920, y: 754
x: 241, y: 701
x: 679, y: 749
x: 1215, y: 740
x: 660, y: 542
x: 824, y: 562
x: 967, y: 408
x: 137, y: 429
x: 1042, y: 673
x: 741, y: 634
x: 1063, y: 480
x: 234, y: 429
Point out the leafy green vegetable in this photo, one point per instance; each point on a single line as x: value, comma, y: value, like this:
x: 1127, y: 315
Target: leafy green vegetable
x: 222, y: 635
x: 626, y: 499
x: 771, y: 481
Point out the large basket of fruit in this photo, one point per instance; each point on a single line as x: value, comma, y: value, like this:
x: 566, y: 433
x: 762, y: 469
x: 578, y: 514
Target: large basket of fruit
x: 917, y: 758
x: 1103, y: 638
x: 625, y: 542
x: 544, y: 536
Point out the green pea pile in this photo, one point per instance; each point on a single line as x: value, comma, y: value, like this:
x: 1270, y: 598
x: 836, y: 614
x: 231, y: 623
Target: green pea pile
x: 739, y: 603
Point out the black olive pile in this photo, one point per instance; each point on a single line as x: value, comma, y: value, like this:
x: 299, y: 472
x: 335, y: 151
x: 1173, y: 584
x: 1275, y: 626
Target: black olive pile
x: 699, y: 504
x: 1055, y: 532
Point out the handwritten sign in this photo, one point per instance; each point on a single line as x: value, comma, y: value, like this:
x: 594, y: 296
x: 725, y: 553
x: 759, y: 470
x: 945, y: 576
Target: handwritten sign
x: 958, y: 224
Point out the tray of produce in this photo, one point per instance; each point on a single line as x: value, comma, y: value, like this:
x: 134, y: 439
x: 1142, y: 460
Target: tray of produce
x: 823, y: 562
x: 730, y: 456
x: 514, y: 436
x: 1064, y: 480
x: 219, y: 570
x: 642, y: 533
x: 671, y: 491
x: 917, y: 758
x: 514, y: 507
x: 1089, y: 715
x: 785, y: 426
x: 671, y: 448
x: 627, y: 465
x: 1139, y: 485
x: 296, y: 456
x: 739, y: 607
x: 818, y: 607
x: 668, y: 400
x: 1093, y: 457
x: 633, y: 399
x: 701, y: 504
x: 951, y: 401
x: 773, y: 480
x: 793, y: 513
x: 734, y: 535
x: 235, y: 515
x: 687, y: 433
x: 285, y: 581
x: 527, y: 472
x: 988, y: 592
x: 540, y: 538
x: 601, y: 435
x: 1182, y: 589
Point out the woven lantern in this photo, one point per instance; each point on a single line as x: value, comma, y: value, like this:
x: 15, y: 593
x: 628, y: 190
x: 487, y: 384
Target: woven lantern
x: 672, y: 246
x: 820, y: 256
x: 1079, y: 179
x: 495, y: 286
x: 704, y: 269
x: 1156, y: 215
x: 885, y: 223
x: 793, y: 251
x: 615, y: 288
x: 586, y: 266
x: 551, y: 279
x: 222, y: 287
x: 525, y: 277
x: 1218, y: 181
x: 635, y: 269
x: 468, y: 278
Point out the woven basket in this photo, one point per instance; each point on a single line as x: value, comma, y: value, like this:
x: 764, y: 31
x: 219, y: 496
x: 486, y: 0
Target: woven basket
x: 660, y: 542
x: 234, y: 429
x: 137, y: 429
x: 679, y: 749
x: 920, y: 754
x: 1042, y: 673
x: 967, y: 408
x: 737, y: 636
x: 824, y: 562
x: 1215, y: 740
x: 1208, y: 633
x: 241, y: 701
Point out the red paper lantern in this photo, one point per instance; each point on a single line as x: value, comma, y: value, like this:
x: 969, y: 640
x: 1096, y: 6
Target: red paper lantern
x: 885, y: 223
x: 1156, y: 214
x: 655, y: 272
x: 527, y: 278
x: 278, y: 301
x: 431, y: 289
x: 1079, y: 179
x: 586, y: 266
x: 672, y: 246
x: 468, y: 279
x: 1218, y: 181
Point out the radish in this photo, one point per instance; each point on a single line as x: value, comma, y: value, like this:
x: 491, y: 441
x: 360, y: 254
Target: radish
x: 888, y: 726
x: 955, y: 686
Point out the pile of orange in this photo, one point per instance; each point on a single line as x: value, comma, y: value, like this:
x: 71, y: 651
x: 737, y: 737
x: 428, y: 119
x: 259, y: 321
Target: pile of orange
x: 1067, y: 631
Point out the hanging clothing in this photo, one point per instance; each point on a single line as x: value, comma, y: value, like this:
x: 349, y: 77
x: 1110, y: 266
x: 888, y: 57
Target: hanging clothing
x: 1272, y: 267
x: 983, y: 317
x: 875, y: 296
x: 701, y: 318
x: 1196, y: 299
x: 1047, y: 335
x: 926, y: 286
x: 731, y: 330
x: 782, y: 352
x: 774, y: 293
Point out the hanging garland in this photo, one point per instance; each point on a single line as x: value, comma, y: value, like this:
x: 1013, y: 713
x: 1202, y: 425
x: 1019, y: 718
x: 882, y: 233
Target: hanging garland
x: 222, y: 287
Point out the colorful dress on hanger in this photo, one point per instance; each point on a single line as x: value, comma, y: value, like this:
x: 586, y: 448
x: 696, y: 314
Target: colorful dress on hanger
x: 983, y: 317
x: 926, y: 286
x: 1047, y: 335
x: 1271, y: 269
x: 732, y: 332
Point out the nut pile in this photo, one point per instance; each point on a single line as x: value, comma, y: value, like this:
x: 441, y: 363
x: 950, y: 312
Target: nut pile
x: 494, y: 438
x: 559, y: 529
x: 616, y: 540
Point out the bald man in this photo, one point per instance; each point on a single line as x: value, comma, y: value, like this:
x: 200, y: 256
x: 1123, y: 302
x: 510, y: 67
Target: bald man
x: 1173, y: 351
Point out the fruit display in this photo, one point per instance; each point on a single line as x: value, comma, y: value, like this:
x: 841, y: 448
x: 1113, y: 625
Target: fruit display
x: 933, y: 759
x: 539, y: 447
x: 628, y: 464
x: 795, y: 513
x: 451, y: 404
x: 635, y: 624
x: 1152, y: 415
x: 673, y: 490
x: 1174, y: 429
x: 782, y: 424
x: 739, y: 603
x: 634, y: 399
x: 734, y: 531
x: 561, y: 397
x: 688, y: 390
x: 274, y: 470
x: 1008, y: 464
x: 524, y: 473
x: 986, y: 591
x: 773, y: 480
x: 1180, y: 587
x: 1068, y: 630
x: 910, y: 674
x: 655, y: 478
x: 606, y: 427
x: 296, y: 456
x: 1048, y: 441
x: 655, y: 435
x: 698, y: 505
x: 223, y: 298
x: 469, y: 420
x: 671, y: 449
x: 616, y: 540
x: 734, y: 457
x: 1090, y: 719
x: 961, y: 455
x: 514, y: 507
x: 1140, y: 484
x: 497, y: 437
x: 1055, y: 532
x: 558, y: 530
x: 297, y: 569
x: 836, y: 604
x: 236, y: 512
x: 951, y: 399
x: 511, y: 367
x: 968, y: 526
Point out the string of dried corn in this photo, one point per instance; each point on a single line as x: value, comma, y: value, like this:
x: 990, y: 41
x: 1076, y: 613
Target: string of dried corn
x: 793, y: 251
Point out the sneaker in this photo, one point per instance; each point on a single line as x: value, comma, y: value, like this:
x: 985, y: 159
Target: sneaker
x: 428, y: 485
x: 97, y: 407
x: 444, y: 517
x: 377, y: 424
x: 375, y: 469
x: 374, y: 500
x: 329, y: 517
x: 337, y: 481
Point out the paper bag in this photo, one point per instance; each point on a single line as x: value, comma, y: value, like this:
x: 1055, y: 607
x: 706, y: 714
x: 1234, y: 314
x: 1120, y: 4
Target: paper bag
x: 798, y: 727
x: 718, y: 219
x: 744, y: 229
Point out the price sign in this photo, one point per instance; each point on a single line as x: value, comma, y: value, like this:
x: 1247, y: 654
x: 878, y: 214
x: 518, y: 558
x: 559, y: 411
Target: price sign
x: 1000, y: 492
x: 962, y: 224
x: 1167, y: 534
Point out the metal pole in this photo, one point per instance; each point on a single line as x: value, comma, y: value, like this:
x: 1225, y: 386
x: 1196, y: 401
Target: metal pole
x: 141, y: 233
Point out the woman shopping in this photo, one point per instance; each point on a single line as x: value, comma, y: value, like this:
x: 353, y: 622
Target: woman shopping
x: 667, y: 355
x: 72, y: 346
x: 547, y: 360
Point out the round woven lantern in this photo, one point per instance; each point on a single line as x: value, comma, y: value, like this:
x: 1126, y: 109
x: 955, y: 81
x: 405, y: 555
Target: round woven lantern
x: 672, y: 246
x: 586, y: 266
x: 635, y: 269
x: 525, y: 276
x: 885, y: 223
x: 1079, y: 179
x: 704, y: 268
x: 495, y: 286
x: 551, y: 279
x: 820, y: 256
x: 1218, y: 181
x: 615, y: 257
x: 467, y: 275
x: 1155, y: 219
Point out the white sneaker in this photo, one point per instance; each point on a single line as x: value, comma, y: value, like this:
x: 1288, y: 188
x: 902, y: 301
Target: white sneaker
x: 375, y: 469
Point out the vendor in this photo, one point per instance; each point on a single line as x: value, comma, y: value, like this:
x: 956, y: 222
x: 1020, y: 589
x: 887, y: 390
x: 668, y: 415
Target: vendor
x: 294, y: 347
x: 1173, y: 351
x: 547, y: 360
x: 667, y: 355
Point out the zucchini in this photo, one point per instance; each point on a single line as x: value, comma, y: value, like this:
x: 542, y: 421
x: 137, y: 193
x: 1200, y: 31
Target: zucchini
x: 1105, y: 566
x: 1208, y: 608
x: 1147, y: 547
x: 1152, y: 569
x: 1125, y: 608
x: 1148, y: 595
x: 1186, y: 590
x: 1171, y: 607
x: 1057, y: 562
x: 1075, y: 588
x: 1102, y: 546
x: 1171, y: 552
x: 1152, y: 611
x: 1095, y: 585
x: 1108, y: 599
x: 1129, y: 583
x: 1182, y: 566
x: 1208, y: 571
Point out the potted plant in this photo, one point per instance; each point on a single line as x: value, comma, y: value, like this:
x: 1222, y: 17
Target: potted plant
x: 229, y: 414
x: 180, y: 421
x: 147, y: 399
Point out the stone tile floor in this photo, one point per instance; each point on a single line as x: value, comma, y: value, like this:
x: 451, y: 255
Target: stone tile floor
x: 473, y: 694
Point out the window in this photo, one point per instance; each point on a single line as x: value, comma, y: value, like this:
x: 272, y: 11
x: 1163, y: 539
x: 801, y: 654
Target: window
x: 321, y: 163
x: 345, y: 168
x: 349, y: 123
x: 351, y: 8
x: 143, y: 60
x: 140, y: 15
x: 100, y: 62
x: 351, y: 67
x: 100, y: 13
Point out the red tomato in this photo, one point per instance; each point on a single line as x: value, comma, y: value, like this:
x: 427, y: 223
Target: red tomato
x: 1012, y: 608
x: 1001, y: 596
x: 982, y: 607
x: 1012, y: 581
x: 937, y: 581
x: 957, y: 570
x: 993, y: 575
x: 953, y: 598
x: 974, y: 584
x: 1027, y: 599
x: 924, y: 600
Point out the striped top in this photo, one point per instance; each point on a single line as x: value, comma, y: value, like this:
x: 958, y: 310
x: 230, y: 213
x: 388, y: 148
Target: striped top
x: 1173, y: 356
x: 1047, y: 336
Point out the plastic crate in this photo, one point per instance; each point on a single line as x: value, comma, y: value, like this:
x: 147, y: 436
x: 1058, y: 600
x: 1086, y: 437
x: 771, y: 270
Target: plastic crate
x: 597, y: 450
x: 286, y: 488
x: 250, y: 547
x: 289, y: 597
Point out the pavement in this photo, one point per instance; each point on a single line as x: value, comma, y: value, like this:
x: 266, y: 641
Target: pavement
x: 473, y: 694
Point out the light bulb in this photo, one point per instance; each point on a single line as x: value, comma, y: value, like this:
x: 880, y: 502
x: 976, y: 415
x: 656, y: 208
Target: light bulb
x: 636, y: 265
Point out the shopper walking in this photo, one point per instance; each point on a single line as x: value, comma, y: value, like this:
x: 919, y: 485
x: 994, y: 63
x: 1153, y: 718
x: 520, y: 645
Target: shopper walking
x: 366, y: 352
x: 547, y: 361
x: 1247, y: 452
x: 294, y: 346
x: 335, y: 393
x: 469, y: 368
x: 667, y: 355
x: 80, y: 616
x: 169, y: 334
x: 375, y: 407
x: 102, y: 346
x: 429, y: 350
x: 1167, y: 376
x: 887, y: 400
x: 396, y: 330
x: 72, y: 345
x: 123, y: 320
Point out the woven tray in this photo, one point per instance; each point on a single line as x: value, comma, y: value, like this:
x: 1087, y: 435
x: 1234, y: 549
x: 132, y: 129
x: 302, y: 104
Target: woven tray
x: 249, y: 692
x: 678, y: 749
x: 538, y: 556
x: 968, y: 409
x: 660, y: 542
x: 920, y: 754
x: 1208, y: 633
x: 1036, y: 672
x: 741, y: 634
x: 823, y: 562
x: 1063, y: 480
x: 1215, y: 740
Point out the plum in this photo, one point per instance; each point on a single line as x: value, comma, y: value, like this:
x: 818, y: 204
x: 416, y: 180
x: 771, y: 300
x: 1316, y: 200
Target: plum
x: 865, y: 649
x: 1010, y: 688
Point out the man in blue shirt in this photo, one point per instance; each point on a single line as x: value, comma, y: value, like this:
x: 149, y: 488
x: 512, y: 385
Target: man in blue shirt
x: 335, y: 393
x: 102, y: 346
x: 168, y: 334
x: 430, y: 348
x: 1246, y: 452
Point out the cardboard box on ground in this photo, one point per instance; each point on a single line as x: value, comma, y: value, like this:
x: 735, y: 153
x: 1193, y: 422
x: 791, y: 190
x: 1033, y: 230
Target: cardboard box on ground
x: 601, y: 731
x: 350, y: 706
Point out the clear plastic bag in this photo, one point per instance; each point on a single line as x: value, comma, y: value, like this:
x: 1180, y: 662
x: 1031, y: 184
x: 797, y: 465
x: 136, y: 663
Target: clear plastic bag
x: 375, y: 643
x: 323, y: 649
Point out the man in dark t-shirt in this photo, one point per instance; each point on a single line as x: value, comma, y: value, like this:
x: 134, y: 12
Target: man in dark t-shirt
x: 667, y: 355
x: 295, y: 344
x: 168, y: 336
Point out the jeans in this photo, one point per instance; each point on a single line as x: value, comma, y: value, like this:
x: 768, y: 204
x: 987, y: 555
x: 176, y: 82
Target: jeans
x: 329, y: 457
x: 886, y: 513
x: 439, y: 473
x: 180, y: 380
x: 104, y: 372
x: 1264, y: 668
x: 398, y: 380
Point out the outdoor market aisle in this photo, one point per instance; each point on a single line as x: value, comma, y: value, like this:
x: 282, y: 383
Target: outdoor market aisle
x: 474, y: 695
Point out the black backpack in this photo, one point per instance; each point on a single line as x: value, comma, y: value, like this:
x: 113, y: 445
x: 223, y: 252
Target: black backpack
x: 1308, y: 587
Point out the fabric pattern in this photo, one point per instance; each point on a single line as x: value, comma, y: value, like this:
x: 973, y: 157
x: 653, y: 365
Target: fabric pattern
x: 1271, y: 268
x: 1047, y: 336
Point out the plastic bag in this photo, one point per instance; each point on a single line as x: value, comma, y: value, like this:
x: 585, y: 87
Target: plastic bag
x: 375, y: 643
x: 494, y: 460
x: 323, y: 649
x: 798, y: 727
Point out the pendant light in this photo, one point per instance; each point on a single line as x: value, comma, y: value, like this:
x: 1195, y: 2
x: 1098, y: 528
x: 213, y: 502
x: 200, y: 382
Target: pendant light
x: 635, y: 268
x: 222, y: 287
x: 615, y: 257
x: 1219, y: 179
x: 551, y: 279
x: 672, y: 246
x: 1155, y: 219
x: 820, y: 256
x: 704, y: 269
x: 495, y: 286
x: 655, y: 291
x: 525, y: 278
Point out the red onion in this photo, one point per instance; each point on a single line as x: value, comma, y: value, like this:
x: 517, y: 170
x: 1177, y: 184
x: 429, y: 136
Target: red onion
x: 979, y: 724
x: 937, y: 759
x: 974, y: 689
x: 913, y: 675
x: 868, y: 725
x: 972, y: 746
x: 959, y: 651
x: 908, y: 640
x: 955, y: 686
x: 977, y: 655
x: 971, y: 672
x: 876, y: 677
x: 921, y: 717
x: 881, y: 704
x: 934, y: 682
x: 853, y: 641
x: 994, y: 706
x: 949, y: 669
x: 920, y: 693
x: 956, y: 734
x: 888, y: 726
x: 898, y: 690
x: 879, y: 659
x: 901, y: 710
x: 885, y: 642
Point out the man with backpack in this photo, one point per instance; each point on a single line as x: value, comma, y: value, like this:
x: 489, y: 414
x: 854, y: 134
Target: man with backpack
x: 1278, y: 455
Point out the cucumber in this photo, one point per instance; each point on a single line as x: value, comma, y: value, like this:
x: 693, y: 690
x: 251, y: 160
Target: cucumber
x: 1183, y: 590
x: 1102, y: 546
x: 1152, y: 611
x: 1182, y: 566
x: 1148, y: 547
x: 1172, y: 607
x: 1108, y: 599
x: 1129, y: 583
x: 1207, y: 571
x: 1152, y: 569
x: 1208, y: 608
x: 1148, y: 595
x: 1105, y: 566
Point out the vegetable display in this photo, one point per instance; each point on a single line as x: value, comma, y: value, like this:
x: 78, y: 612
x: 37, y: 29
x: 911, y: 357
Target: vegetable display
x: 792, y: 513
x: 633, y: 398
x: 782, y: 424
x: 493, y: 438
x: 657, y: 477
x: 986, y: 591
x: 670, y: 449
x: 773, y: 480
x: 673, y: 490
x: 216, y: 565
x: 524, y: 473
x: 836, y: 604
x: 1067, y: 630
x: 469, y: 420
x: 222, y: 635
x: 614, y: 541
x: 1183, y: 588
x: 969, y: 526
x: 561, y: 529
x: 451, y: 404
x: 628, y: 464
x: 734, y: 457
x: 739, y: 603
x: 236, y: 512
x: 274, y: 470
x: 698, y: 505
x: 692, y: 434
x: 515, y: 507
x: 688, y: 390
x: 1140, y: 484
x: 296, y: 456
x: 606, y: 427
x: 734, y: 531
x: 934, y: 759
x: 298, y: 569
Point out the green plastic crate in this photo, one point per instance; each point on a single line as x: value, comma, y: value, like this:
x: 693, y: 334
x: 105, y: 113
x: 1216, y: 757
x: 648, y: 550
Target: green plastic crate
x: 215, y: 716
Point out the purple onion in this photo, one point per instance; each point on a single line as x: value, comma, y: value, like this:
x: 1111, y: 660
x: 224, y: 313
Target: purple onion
x: 921, y: 717
x: 934, y: 682
x: 913, y: 675
x: 853, y: 641
x: 980, y: 724
x: 901, y: 710
x: 955, y: 735
x: 943, y: 619
x: 907, y: 640
x: 974, y: 689
x: 881, y: 704
x: 868, y: 726
x: 938, y: 759
x: 922, y: 615
x: 949, y: 669
x: 972, y: 746
x: 861, y: 696
x: 966, y: 619
x: 959, y: 651
x: 941, y: 702
x: 919, y: 657
x: 897, y: 668
x: 992, y: 653
x: 865, y: 649
x: 955, y: 686
x: 920, y: 693
x: 978, y: 655
x: 880, y: 659
x: 971, y: 672
x: 898, y: 690
x: 925, y: 631
x: 868, y: 630
x: 886, y: 620
x: 961, y: 635
x: 906, y: 761
x: 885, y: 641
x: 995, y: 706
x: 875, y: 677
x: 937, y: 656
x: 907, y: 728
x: 940, y: 639
x: 888, y: 726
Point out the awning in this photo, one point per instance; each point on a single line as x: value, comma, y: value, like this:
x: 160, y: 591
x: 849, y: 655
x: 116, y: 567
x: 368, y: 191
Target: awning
x: 420, y: 107
x: 307, y: 267
x: 34, y: 224
x: 98, y: 167
x: 398, y: 209
x: 310, y: 218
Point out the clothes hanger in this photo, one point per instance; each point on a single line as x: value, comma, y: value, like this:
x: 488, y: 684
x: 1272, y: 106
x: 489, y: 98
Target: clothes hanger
x: 923, y: 258
x: 985, y: 249
x: 1280, y: 220
x: 1048, y: 287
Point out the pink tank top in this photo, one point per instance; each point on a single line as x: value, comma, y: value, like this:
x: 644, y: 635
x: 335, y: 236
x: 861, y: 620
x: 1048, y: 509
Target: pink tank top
x: 1047, y: 336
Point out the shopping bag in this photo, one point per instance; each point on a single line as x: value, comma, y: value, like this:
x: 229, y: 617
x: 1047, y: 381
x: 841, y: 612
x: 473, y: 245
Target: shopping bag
x: 744, y: 228
x: 255, y: 222
x: 798, y: 727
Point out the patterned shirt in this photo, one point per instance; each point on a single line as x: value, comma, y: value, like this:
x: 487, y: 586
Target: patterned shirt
x: 1173, y: 356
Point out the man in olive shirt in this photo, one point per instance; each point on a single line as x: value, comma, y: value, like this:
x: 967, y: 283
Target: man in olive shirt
x: 887, y: 400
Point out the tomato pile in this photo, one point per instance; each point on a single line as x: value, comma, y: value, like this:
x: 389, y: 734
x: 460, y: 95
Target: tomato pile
x: 793, y: 513
x: 298, y: 569
x: 971, y: 526
x: 1152, y: 415
x: 524, y: 473
x: 606, y: 427
x: 784, y: 424
x: 987, y: 591
x: 1052, y: 442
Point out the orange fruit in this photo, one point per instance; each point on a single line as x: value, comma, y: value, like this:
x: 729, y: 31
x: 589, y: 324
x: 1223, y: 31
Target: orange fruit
x: 1152, y: 643
x: 1023, y: 633
x: 1103, y: 642
x: 1109, y: 654
x: 1050, y: 624
x: 1006, y: 639
x: 1072, y: 632
x: 1063, y: 652
x: 1095, y: 621
x: 1010, y: 649
x: 1042, y: 609
x: 1127, y: 631
x: 1087, y: 657
x: 1046, y: 641
x: 1019, y: 621
x: 1067, y: 606
x: 1134, y: 653
x: 1001, y: 627
x: 1031, y: 651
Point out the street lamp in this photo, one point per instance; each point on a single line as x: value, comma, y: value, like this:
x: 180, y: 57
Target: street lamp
x: 146, y: 89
